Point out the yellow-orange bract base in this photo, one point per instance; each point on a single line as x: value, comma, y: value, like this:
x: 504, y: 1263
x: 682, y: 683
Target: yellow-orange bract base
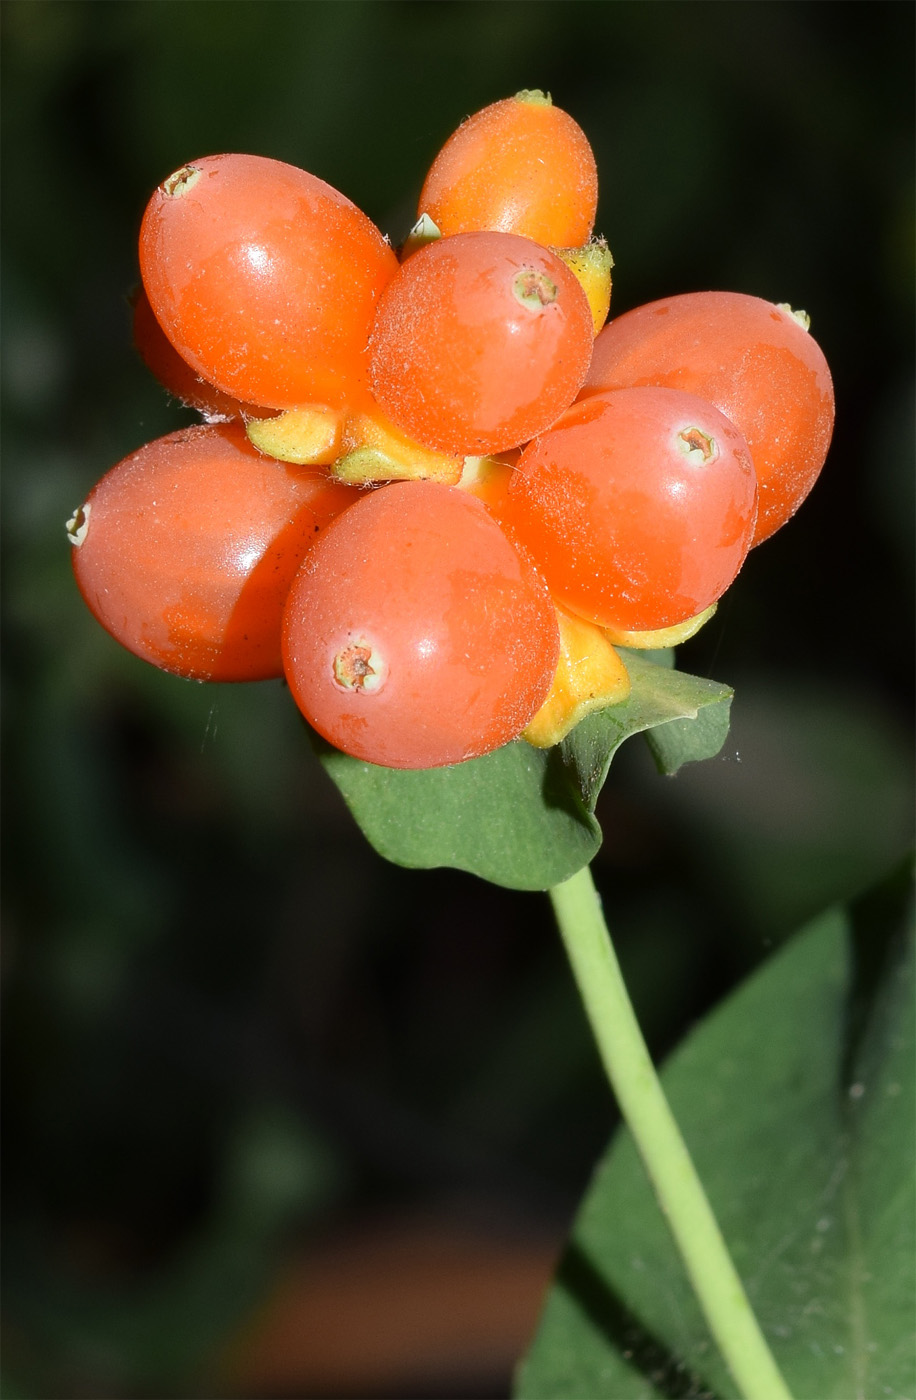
x: 592, y: 264
x: 360, y: 448
x: 589, y: 676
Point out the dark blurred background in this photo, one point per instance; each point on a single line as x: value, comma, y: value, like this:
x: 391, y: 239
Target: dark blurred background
x: 282, y: 1120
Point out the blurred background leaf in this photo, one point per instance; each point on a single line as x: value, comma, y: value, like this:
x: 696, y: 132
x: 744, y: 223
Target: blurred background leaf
x: 796, y: 1099
x: 235, y: 1040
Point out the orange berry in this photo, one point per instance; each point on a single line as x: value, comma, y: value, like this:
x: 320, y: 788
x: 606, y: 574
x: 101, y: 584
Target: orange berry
x: 415, y: 636
x: 175, y: 374
x: 756, y: 362
x: 522, y: 166
x: 480, y: 342
x: 265, y: 279
x: 185, y: 551
x: 638, y: 507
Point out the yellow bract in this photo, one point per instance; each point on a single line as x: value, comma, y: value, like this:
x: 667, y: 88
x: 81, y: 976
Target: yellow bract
x: 589, y: 676
x: 488, y: 478
x: 375, y: 450
x: 664, y: 637
x: 359, y: 448
x: 307, y: 437
x: 591, y: 265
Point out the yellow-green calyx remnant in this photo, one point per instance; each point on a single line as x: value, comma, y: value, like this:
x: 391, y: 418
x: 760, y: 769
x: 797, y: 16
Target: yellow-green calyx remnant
x: 78, y: 525
x: 534, y: 97
x: 698, y: 446
x: 180, y: 181
x: 424, y: 231
x: 802, y: 317
x: 354, y: 668
x: 533, y: 289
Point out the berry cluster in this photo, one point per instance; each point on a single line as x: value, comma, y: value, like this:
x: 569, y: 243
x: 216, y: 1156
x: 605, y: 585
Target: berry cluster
x: 434, y: 489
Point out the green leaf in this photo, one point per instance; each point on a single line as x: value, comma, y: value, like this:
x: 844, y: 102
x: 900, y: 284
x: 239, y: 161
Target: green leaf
x: 691, y: 713
x: 683, y: 741
x: 523, y: 817
x: 796, y: 1099
x: 511, y: 817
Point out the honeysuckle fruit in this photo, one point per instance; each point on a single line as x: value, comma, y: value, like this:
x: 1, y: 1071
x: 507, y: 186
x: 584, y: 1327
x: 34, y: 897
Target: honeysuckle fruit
x: 521, y: 165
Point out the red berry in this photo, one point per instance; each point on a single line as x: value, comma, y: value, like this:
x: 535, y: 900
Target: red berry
x: 755, y: 361
x: 415, y: 636
x: 638, y: 507
x: 520, y: 166
x: 480, y: 342
x: 265, y: 279
x: 163, y: 360
x: 185, y: 551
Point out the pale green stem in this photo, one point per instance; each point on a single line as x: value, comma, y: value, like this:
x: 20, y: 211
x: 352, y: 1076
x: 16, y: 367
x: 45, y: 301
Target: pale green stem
x: 664, y: 1153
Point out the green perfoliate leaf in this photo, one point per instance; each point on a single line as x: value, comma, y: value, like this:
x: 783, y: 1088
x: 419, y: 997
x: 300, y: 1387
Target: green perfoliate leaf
x: 523, y: 817
x: 692, y: 715
x: 511, y: 817
x: 690, y: 739
x: 796, y: 1099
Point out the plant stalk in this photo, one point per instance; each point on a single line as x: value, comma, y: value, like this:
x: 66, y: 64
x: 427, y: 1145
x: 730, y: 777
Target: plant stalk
x: 645, y: 1109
